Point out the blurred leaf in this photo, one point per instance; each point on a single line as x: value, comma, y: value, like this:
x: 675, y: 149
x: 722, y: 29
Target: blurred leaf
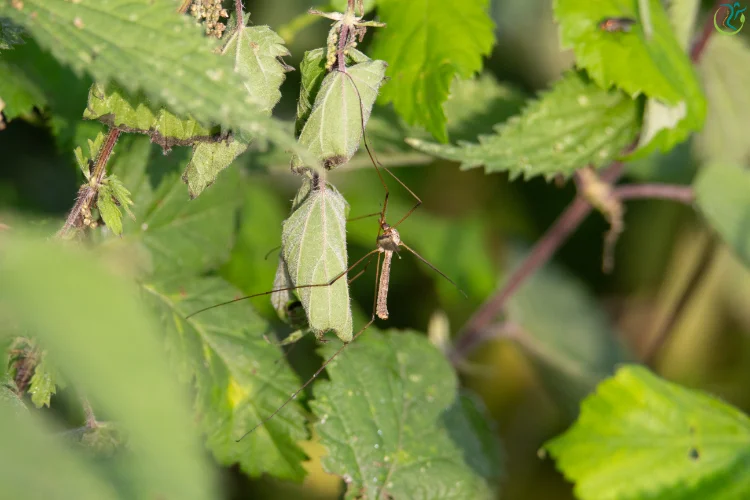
x: 28, y: 455
x: 566, y: 334
x: 106, y: 344
x: 114, y: 107
x: 58, y: 93
x: 396, y: 426
x: 642, y: 437
x: 153, y: 49
x: 333, y: 130
x: 239, y: 378
x: 256, y: 52
x: 725, y: 71
x: 313, y: 243
x: 9, y: 399
x: 10, y: 34
x: 103, y: 441
x: 721, y: 192
x: 682, y: 14
x: 573, y: 125
x: 43, y: 383
x: 20, y: 93
x: 171, y: 234
x: 426, y: 46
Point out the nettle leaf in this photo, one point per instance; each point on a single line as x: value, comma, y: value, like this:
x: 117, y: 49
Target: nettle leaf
x: 285, y: 302
x: 238, y: 374
x: 255, y: 51
x: 43, y: 383
x: 10, y: 34
x: 572, y: 125
x: 333, y: 130
x: 664, y: 71
x: 313, y: 71
x: 313, y: 243
x: 725, y: 71
x: 721, y: 192
x: 426, y: 46
x: 19, y: 93
x: 149, y: 46
x: 396, y: 426
x: 114, y: 107
x: 566, y: 335
x: 642, y: 437
x: 168, y: 235
x: 208, y: 161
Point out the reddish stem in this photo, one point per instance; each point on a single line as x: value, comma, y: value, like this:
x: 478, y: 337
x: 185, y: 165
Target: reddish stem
x: 683, y: 194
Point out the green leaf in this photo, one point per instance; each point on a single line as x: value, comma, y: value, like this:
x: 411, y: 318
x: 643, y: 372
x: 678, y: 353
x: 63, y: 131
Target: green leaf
x: 333, y: 130
x: 725, y: 71
x: 426, y: 46
x: 237, y: 374
x: 256, y: 52
x: 107, y: 346
x: 566, y: 334
x: 28, y: 454
x: 313, y: 244
x: 663, y: 69
x: 121, y: 193
x: 170, y: 234
x: 153, y: 49
x: 573, y: 125
x: 313, y: 71
x: 642, y: 437
x: 721, y: 192
x: 43, y: 383
x: 285, y: 302
x: 207, y: 162
x: 396, y: 426
x: 10, y: 34
x: 682, y: 15
x: 111, y: 215
x: 114, y: 107
x: 19, y: 93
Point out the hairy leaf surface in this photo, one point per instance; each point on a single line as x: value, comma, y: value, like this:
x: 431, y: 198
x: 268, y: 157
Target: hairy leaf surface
x: 426, y: 45
x: 396, y: 425
x: 642, y: 437
x: 148, y: 46
x: 333, y: 130
x: 573, y: 125
x: 237, y: 374
x: 313, y: 242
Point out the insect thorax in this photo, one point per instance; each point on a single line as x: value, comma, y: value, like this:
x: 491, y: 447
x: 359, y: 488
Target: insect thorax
x: 389, y: 240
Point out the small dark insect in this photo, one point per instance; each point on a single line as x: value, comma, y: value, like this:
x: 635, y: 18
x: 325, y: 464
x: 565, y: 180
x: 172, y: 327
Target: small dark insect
x: 615, y: 24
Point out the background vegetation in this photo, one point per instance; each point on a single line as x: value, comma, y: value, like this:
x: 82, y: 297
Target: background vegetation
x: 110, y: 392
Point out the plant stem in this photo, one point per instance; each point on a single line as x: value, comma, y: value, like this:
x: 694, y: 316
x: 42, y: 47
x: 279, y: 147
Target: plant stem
x: 471, y: 334
x: 682, y: 194
x: 88, y: 411
x: 88, y: 191
x: 238, y: 9
x: 184, y: 7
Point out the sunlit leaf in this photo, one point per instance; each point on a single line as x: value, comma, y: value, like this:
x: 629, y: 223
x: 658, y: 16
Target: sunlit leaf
x: 426, y: 46
x: 19, y: 93
x: 43, y: 383
x: 207, y: 162
x: 313, y: 243
x: 573, y: 125
x: 395, y: 424
x: 642, y: 437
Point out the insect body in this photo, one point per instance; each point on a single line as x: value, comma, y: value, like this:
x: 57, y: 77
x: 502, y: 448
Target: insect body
x: 616, y: 24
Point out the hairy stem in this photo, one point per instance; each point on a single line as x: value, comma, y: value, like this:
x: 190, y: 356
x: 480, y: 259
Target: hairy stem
x: 88, y: 191
x: 238, y: 9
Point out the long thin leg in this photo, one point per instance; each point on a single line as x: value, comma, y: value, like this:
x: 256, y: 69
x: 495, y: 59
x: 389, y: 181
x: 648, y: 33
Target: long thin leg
x: 322, y: 367
x: 434, y: 268
x: 329, y: 283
